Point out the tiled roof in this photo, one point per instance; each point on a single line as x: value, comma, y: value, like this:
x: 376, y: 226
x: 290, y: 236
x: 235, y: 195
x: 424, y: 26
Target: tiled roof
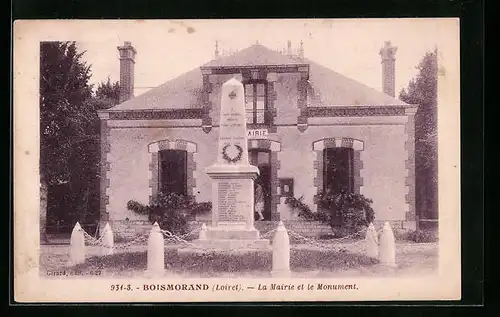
x: 178, y: 93
x: 326, y: 87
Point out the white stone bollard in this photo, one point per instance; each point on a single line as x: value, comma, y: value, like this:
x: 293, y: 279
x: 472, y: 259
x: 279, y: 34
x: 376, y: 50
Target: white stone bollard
x: 203, y: 232
x: 281, y: 252
x: 77, y: 245
x: 156, y: 251
x: 387, y: 247
x: 107, y: 240
x: 371, y: 242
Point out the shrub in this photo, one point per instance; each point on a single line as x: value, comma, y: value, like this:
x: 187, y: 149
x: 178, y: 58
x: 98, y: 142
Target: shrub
x: 137, y: 207
x: 171, y: 211
x: 423, y: 236
x: 346, y: 213
x: 304, y: 210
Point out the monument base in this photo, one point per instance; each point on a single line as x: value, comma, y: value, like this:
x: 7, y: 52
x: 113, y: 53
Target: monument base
x: 231, y: 232
x: 229, y: 239
x: 227, y: 246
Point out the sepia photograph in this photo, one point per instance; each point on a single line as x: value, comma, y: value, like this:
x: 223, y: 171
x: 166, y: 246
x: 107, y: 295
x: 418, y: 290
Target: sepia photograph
x: 237, y: 160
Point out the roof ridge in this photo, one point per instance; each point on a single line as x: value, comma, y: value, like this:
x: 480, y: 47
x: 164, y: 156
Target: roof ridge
x: 265, y: 56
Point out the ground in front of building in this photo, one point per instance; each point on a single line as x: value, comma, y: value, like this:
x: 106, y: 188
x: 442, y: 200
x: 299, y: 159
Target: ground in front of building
x: 347, y: 260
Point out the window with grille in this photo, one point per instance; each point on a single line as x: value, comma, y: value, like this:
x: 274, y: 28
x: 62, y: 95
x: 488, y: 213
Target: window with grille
x: 255, y: 103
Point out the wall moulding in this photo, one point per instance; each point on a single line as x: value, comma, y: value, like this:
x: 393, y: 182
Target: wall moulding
x: 159, y: 114
x: 356, y: 111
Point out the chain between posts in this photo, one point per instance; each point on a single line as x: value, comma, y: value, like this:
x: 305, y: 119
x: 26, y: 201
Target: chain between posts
x: 170, y: 237
x: 323, y: 245
x: 139, y: 239
x: 268, y: 234
x: 196, y: 230
x: 91, y: 240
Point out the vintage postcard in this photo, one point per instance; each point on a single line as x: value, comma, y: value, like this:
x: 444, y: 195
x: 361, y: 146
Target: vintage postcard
x: 236, y: 160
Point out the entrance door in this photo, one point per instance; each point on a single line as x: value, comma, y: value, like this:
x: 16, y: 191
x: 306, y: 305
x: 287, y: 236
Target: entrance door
x: 261, y: 159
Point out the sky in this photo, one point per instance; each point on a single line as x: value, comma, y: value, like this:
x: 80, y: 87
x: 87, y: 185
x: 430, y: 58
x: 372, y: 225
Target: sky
x: 168, y: 48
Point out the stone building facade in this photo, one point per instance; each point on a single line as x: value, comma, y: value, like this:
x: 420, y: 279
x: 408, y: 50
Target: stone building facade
x: 301, y: 117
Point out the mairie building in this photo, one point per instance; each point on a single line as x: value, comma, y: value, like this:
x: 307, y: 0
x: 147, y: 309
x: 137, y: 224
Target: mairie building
x: 304, y: 120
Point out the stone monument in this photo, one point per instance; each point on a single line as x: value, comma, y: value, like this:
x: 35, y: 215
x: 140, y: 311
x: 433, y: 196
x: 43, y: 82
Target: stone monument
x: 232, y: 180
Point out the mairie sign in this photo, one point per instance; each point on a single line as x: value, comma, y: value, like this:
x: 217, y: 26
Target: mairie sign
x: 257, y: 134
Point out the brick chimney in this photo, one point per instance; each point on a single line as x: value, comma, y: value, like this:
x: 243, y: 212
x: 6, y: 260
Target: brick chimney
x: 301, y: 50
x: 216, y: 50
x: 388, y: 69
x: 127, y: 62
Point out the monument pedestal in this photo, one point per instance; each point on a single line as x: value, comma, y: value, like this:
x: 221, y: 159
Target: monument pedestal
x: 233, y: 212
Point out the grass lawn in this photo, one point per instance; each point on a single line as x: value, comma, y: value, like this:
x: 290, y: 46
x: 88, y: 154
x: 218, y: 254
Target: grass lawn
x: 412, y: 259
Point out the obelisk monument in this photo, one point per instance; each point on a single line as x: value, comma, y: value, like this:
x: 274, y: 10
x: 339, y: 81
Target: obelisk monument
x: 232, y: 179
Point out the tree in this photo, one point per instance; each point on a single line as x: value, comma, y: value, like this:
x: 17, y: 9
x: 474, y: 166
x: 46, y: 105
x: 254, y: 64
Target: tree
x: 67, y: 123
x: 107, y: 94
x: 422, y: 91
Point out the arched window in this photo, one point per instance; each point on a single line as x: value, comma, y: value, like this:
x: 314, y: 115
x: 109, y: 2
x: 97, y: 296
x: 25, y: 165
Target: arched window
x: 172, y: 165
x: 338, y: 170
x: 172, y: 172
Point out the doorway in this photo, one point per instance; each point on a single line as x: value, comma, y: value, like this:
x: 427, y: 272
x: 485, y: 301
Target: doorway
x: 262, y: 159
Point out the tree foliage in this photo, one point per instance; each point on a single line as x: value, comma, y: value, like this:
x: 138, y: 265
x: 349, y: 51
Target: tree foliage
x: 69, y: 134
x: 422, y: 91
x: 66, y: 118
x: 107, y: 94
